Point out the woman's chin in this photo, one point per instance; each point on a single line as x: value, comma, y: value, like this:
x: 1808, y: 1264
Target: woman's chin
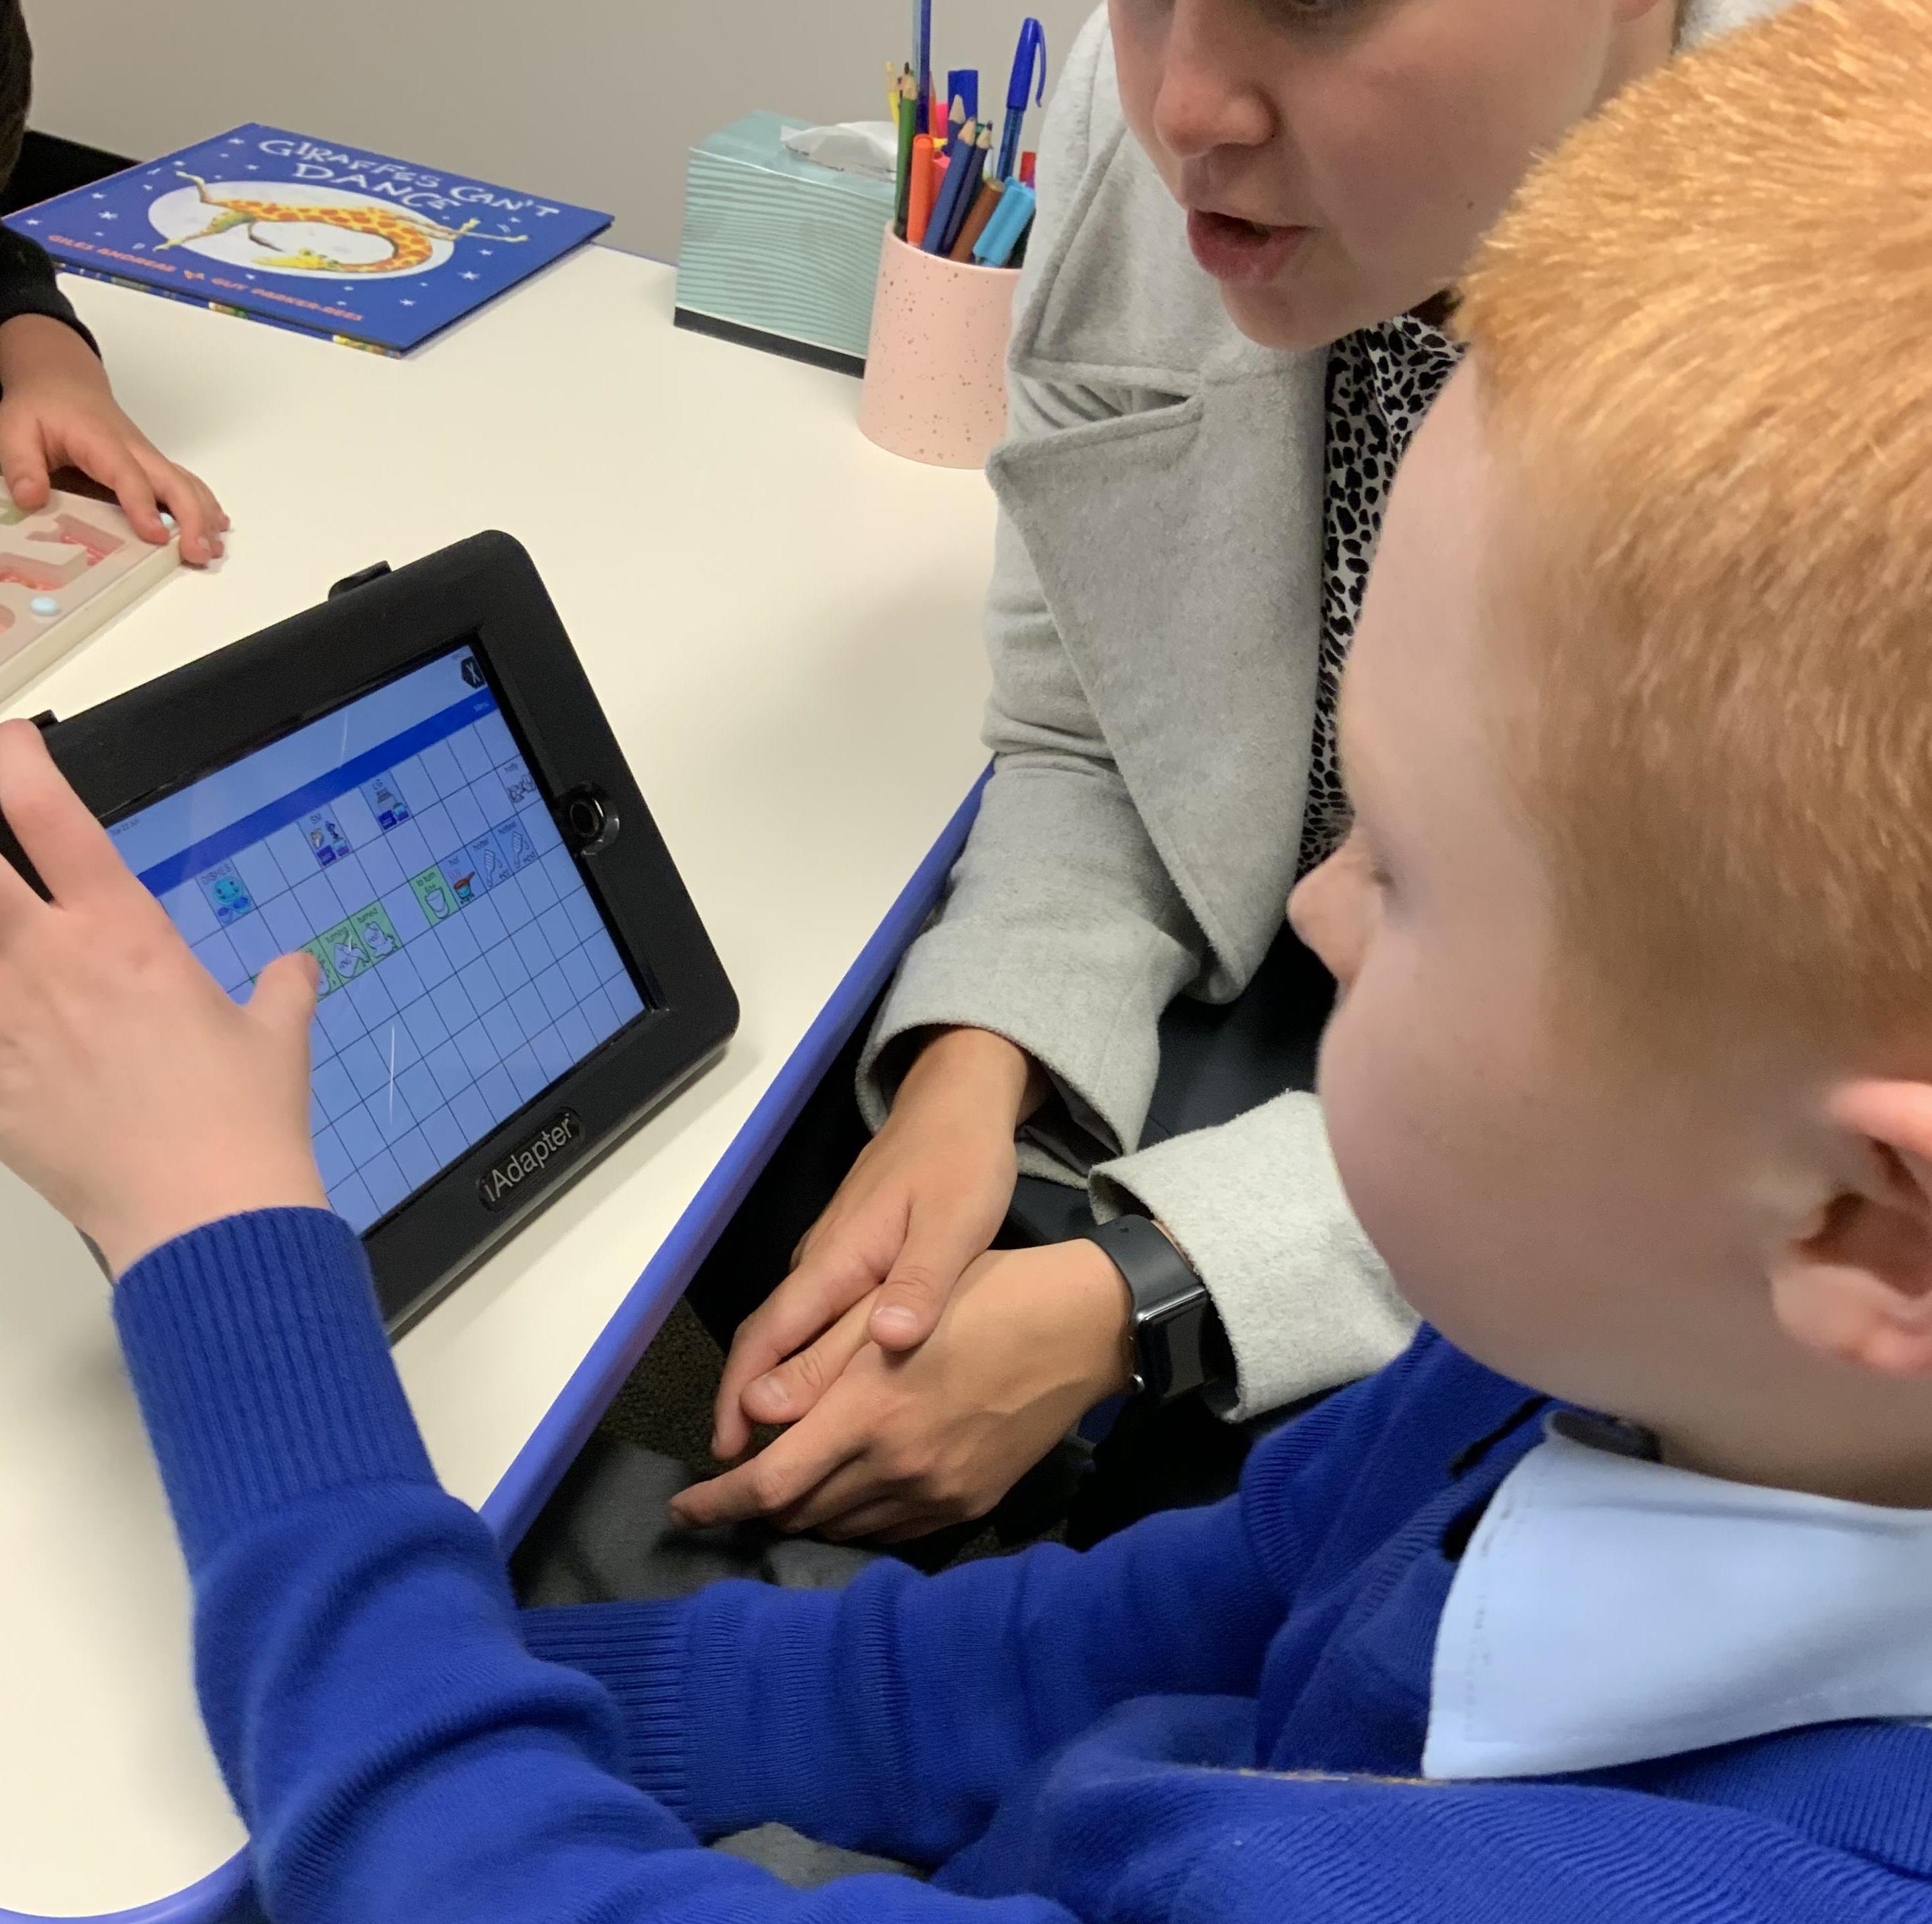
x: 1304, y: 311
x: 1284, y: 317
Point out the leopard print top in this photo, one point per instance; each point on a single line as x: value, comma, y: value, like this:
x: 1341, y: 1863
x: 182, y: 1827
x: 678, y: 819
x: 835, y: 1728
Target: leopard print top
x: 1381, y: 381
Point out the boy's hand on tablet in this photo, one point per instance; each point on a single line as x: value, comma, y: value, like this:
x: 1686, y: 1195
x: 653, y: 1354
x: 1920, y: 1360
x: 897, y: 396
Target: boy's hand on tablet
x: 134, y: 1095
x: 57, y: 410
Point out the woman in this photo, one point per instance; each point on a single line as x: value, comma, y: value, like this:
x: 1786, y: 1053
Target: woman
x: 1228, y: 328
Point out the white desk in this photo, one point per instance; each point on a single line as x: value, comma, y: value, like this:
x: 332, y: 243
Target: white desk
x: 783, y: 624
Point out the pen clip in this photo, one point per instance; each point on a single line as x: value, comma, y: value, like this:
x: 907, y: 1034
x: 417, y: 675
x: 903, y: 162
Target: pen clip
x: 1029, y: 66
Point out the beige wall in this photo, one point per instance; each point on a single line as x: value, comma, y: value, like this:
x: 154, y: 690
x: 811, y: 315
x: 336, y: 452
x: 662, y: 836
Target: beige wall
x: 591, y: 100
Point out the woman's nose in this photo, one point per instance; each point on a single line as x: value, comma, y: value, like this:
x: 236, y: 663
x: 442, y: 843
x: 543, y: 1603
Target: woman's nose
x: 1212, y: 92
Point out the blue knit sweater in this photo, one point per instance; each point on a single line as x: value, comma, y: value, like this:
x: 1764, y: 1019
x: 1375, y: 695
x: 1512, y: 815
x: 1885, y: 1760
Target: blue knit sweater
x: 1215, y: 1717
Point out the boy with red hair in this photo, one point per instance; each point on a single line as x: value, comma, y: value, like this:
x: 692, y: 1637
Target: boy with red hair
x: 1613, y: 1597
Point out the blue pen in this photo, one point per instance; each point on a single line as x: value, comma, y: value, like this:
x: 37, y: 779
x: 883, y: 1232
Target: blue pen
x: 1011, y: 219
x: 1029, y: 74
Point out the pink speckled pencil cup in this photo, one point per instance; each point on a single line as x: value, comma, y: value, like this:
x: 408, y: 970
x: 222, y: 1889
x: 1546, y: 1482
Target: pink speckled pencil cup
x: 936, y: 371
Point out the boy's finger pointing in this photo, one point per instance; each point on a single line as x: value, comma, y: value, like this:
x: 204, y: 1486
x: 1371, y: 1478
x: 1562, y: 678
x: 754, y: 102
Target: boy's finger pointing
x: 285, y: 993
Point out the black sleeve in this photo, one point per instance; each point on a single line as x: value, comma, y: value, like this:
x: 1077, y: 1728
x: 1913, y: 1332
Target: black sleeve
x: 27, y: 284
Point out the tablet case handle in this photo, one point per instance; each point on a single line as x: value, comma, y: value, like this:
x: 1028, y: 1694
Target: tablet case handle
x: 360, y: 579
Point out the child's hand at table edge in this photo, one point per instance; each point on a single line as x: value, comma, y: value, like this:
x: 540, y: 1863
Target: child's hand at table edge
x: 134, y: 1095
x: 57, y: 410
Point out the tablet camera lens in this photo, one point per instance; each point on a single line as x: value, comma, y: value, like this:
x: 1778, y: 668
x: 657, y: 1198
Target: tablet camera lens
x: 586, y: 821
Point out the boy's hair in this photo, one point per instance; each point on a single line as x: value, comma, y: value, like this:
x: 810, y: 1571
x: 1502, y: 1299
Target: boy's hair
x: 1703, y: 340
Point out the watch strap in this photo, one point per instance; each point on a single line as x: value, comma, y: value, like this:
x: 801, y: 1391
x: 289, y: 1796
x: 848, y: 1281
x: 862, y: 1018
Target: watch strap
x: 1179, y: 1344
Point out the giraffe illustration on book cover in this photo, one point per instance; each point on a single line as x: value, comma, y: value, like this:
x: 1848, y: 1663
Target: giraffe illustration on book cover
x: 374, y: 252
x: 264, y: 210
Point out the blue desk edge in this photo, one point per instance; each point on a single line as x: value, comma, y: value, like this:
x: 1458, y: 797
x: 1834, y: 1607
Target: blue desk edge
x: 512, y: 1506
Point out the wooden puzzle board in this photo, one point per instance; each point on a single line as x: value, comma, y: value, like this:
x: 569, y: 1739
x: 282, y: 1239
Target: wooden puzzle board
x: 64, y: 570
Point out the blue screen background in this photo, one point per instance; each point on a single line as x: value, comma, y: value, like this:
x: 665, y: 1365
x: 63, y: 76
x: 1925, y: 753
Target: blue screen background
x: 402, y: 840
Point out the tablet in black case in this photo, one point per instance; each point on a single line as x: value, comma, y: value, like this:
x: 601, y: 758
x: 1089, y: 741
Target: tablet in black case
x: 414, y: 782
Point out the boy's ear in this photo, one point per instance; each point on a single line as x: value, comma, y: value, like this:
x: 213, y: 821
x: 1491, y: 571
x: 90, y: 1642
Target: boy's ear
x: 1856, y: 1284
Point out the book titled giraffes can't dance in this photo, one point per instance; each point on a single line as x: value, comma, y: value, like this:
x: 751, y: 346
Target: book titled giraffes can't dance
x: 372, y: 252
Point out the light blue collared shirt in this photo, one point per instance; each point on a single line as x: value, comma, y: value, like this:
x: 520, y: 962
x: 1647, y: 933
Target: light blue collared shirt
x: 1610, y: 1609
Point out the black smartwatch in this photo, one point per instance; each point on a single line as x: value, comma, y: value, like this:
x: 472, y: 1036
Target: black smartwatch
x: 1180, y: 1345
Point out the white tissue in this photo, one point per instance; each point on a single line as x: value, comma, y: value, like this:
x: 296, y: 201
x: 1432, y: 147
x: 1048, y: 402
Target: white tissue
x: 867, y: 147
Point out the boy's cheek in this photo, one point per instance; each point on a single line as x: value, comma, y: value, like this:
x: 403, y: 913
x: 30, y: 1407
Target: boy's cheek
x: 1409, y: 1141
x: 1371, y: 1127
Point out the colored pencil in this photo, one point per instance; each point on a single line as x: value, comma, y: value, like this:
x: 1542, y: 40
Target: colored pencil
x: 983, y: 209
x: 959, y: 177
x: 904, y: 116
x: 954, y: 121
x: 1028, y: 162
x: 919, y: 207
x: 943, y: 192
x: 922, y: 55
x: 962, y: 84
x: 975, y: 158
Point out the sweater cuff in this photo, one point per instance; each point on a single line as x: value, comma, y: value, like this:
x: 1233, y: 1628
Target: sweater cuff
x: 638, y: 1653
x: 1257, y: 1208
x: 28, y: 286
x: 260, y: 1361
x: 1099, y: 1098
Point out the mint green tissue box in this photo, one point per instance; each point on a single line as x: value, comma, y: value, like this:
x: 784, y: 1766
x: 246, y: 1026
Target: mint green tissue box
x: 780, y: 252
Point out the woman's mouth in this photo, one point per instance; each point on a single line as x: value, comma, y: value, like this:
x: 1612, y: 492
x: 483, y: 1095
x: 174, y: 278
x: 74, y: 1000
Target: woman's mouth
x: 1244, y: 252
